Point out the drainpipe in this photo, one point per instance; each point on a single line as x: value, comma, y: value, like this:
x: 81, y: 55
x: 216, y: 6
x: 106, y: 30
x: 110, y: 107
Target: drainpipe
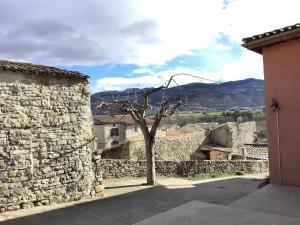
x: 275, y: 108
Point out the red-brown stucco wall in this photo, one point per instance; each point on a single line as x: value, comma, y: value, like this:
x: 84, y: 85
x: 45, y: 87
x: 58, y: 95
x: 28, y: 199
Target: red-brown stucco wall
x: 282, y: 81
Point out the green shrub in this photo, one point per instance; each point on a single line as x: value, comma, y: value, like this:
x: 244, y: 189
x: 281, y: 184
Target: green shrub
x: 239, y: 173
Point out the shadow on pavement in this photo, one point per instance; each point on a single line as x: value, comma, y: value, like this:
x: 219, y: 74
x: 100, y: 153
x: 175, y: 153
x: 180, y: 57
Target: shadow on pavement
x: 138, y: 205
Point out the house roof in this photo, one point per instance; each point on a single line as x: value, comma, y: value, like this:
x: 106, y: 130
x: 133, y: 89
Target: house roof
x: 254, y: 151
x: 38, y: 69
x: 116, y: 119
x: 257, y: 42
x: 257, y: 151
x: 215, y: 148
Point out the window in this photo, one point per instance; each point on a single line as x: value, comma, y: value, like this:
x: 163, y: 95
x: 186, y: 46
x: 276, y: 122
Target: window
x: 114, y: 143
x: 114, y: 131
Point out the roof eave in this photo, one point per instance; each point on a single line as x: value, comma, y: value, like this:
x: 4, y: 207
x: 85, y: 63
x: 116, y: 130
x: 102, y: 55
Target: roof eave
x: 260, y: 43
x: 29, y: 68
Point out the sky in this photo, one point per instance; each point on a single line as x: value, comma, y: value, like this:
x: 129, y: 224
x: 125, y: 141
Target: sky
x: 123, y: 44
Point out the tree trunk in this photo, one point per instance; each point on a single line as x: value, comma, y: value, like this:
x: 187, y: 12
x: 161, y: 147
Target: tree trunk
x: 150, y: 156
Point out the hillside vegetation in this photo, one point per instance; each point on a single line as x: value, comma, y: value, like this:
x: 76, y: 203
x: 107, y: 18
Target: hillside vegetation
x: 202, y: 96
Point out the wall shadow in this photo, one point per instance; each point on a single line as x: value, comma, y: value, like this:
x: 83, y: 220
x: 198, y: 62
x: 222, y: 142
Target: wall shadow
x: 138, y: 205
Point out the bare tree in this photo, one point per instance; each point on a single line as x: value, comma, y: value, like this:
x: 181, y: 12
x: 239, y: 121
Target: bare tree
x: 138, y: 113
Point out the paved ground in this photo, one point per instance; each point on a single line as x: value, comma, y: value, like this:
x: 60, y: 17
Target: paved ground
x: 127, y: 201
x: 271, y: 205
x: 196, y: 212
x: 275, y: 199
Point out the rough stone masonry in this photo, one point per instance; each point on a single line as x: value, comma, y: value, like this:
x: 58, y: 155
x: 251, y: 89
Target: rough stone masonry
x: 46, y: 137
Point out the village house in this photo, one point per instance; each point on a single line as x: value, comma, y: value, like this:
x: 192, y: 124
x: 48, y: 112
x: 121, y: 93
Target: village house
x: 281, y: 56
x: 112, y: 130
x: 226, y: 140
x: 212, y: 152
x: 46, y: 136
x: 189, y: 142
x: 233, y: 134
x: 113, y: 134
x: 118, y: 137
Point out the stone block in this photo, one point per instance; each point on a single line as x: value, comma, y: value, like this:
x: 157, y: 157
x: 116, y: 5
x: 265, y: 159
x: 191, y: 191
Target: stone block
x: 99, y: 188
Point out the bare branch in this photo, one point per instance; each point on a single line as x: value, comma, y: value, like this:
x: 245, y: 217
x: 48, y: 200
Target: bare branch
x: 108, y: 107
x: 179, y: 103
x: 134, y: 117
x: 158, y: 118
x: 153, y: 90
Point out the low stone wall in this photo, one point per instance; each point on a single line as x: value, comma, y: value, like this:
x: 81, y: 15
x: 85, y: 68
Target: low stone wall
x: 117, y: 152
x: 113, y: 168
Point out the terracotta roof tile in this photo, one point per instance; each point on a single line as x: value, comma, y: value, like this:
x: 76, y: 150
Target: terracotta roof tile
x: 257, y: 42
x: 254, y: 151
x: 271, y: 33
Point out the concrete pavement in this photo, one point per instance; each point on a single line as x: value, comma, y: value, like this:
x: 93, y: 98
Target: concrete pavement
x: 127, y: 201
x: 271, y: 205
x: 274, y: 199
x: 196, y: 212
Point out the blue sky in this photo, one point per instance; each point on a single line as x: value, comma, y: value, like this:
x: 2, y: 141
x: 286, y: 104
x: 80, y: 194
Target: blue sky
x: 208, y: 60
x: 140, y: 43
x: 203, y: 63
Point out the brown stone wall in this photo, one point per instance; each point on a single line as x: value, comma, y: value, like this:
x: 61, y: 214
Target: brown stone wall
x: 170, y: 148
x: 117, y: 152
x: 234, y: 134
x: 218, y: 155
x: 128, y: 168
x: 46, y: 140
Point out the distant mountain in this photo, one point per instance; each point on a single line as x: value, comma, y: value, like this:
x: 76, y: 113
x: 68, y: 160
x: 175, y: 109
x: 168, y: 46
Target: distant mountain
x: 227, y: 95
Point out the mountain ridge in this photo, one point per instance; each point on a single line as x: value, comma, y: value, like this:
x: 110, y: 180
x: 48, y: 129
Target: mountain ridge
x: 209, y: 96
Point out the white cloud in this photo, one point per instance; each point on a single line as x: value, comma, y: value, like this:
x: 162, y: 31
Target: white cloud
x: 139, y: 32
x: 91, y: 32
x: 181, y: 28
x: 250, y: 17
x: 248, y: 66
x: 121, y: 83
x: 142, y: 71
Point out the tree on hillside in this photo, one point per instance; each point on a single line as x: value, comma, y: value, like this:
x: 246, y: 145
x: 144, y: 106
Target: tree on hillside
x: 138, y: 111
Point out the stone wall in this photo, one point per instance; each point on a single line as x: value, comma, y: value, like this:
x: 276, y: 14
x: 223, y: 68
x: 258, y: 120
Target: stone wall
x: 173, y: 147
x: 234, y: 134
x: 112, y: 168
x: 261, y: 129
x: 219, y: 155
x: 46, y: 140
x: 117, y: 152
